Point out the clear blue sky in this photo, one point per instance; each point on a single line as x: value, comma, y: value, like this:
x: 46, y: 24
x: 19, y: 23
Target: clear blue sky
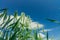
x: 38, y: 11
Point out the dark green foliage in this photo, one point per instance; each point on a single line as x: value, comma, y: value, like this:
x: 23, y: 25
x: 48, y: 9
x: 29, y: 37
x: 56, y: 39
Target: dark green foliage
x: 16, y: 15
x: 51, y: 20
x: 1, y: 15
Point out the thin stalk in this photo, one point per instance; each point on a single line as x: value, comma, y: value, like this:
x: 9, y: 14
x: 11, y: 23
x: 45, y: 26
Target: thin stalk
x: 47, y: 35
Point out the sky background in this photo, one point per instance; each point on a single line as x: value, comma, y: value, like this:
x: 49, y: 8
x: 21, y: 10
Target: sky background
x: 38, y: 10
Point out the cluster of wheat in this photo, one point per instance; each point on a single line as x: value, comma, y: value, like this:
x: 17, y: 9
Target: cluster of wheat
x: 17, y: 27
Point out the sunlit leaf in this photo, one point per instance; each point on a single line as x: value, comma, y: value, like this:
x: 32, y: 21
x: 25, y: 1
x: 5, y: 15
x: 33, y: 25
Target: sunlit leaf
x: 8, y: 21
x: 5, y: 14
x: 16, y: 24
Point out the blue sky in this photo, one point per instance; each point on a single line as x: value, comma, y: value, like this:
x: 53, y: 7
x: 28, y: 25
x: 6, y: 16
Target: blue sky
x: 38, y: 10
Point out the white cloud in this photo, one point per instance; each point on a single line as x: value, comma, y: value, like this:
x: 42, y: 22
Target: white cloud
x: 35, y: 25
x: 41, y: 35
x: 45, y: 30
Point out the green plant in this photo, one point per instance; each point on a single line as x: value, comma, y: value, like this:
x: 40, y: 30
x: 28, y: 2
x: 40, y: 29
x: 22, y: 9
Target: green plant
x: 15, y: 30
x: 17, y: 27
